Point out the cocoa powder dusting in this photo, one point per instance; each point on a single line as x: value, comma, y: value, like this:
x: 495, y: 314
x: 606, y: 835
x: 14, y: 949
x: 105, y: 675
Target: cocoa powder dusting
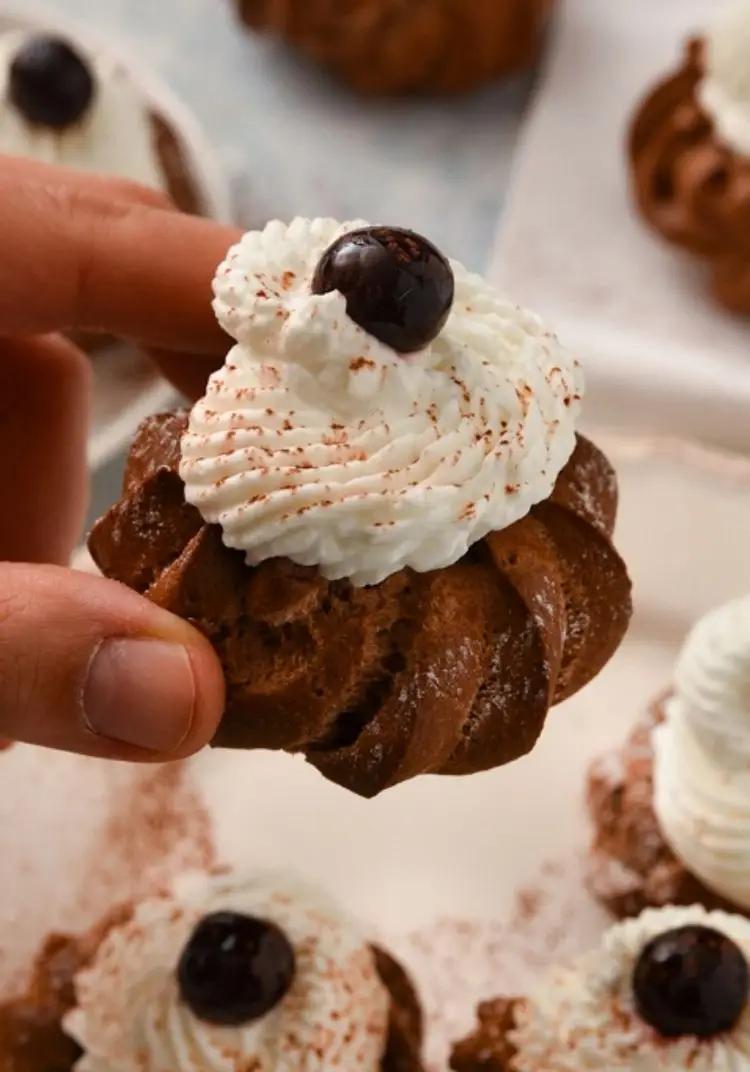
x: 458, y: 963
x: 80, y: 836
x: 157, y: 828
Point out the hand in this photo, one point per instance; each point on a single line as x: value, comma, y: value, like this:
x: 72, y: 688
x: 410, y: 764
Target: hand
x: 86, y: 665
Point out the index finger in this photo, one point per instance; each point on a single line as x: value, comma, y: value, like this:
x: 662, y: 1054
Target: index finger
x: 75, y: 257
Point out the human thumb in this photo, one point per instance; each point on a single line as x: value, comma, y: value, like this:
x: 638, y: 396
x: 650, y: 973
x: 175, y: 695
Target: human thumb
x: 88, y: 666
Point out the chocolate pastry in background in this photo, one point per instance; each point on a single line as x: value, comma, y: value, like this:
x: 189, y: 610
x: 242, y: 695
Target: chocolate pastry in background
x: 690, y: 156
x: 31, y: 1034
x: 667, y: 991
x: 631, y: 865
x: 222, y: 973
x: 389, y: 46
x: 671, y: 810
x: 374, y: 539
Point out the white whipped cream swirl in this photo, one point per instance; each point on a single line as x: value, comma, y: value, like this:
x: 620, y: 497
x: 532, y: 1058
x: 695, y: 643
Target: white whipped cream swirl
x: 129, y: 1016
x: 725, y: 90
x: 114, y: 137
x: 318, y: 443
x: 582, y: 1017
x: 702, y: 754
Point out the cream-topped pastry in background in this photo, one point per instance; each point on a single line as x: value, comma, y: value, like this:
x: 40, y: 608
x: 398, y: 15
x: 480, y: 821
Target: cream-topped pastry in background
x: 380, y: 512
x: 224, y: 974
x: 724, y: 91
x: 64, y: 104
x: 672, y: 813
x: 665, y: 992
x: 689, y: 152
x: 702, y: 755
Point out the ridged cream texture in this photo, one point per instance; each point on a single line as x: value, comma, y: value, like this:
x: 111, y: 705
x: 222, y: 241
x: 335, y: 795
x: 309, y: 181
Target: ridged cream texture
x: 318, y: 443
x: 130, y: 1018
x: 114, y: 137
x: 725, y: 90
x: 702, y: 754
x: 582, y: 1017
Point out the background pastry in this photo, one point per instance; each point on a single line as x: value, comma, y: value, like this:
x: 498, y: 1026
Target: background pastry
x: 690, y: 155
x: 668, y: 990
x: 672, y: 810
x: 387, y: 46
x: 63, y: 104
x: 223, y: 973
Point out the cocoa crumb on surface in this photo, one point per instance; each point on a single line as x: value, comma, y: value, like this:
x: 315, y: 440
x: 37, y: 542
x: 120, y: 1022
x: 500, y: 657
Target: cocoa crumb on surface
x: 359, y: 363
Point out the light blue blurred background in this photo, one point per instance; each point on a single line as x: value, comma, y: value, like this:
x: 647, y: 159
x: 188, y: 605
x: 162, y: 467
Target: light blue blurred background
x: 294, y: 141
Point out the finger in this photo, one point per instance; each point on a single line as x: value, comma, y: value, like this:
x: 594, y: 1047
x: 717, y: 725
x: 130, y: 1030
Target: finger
x: 88, y: 666
x: 188, y: 374
x: 147, y: 274
x: 75, y: 259
x: 112, y: 187
x: 45, y: 388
